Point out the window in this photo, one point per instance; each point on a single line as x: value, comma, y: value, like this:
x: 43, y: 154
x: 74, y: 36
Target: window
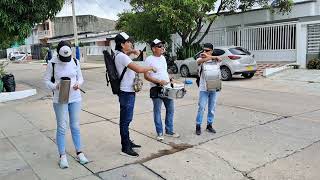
x: 237, y: 51
x: 218, y: 52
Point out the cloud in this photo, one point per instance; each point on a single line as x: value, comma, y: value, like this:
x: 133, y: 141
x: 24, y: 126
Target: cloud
x: 101, y: 8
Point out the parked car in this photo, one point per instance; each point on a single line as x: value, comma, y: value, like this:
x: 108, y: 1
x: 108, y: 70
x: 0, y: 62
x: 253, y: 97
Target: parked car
x: 235, y: 60
x: 17, y: 56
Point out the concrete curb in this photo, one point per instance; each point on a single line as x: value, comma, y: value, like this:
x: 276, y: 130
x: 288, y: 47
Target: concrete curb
x: 10, y: 96
x: 271, y: 71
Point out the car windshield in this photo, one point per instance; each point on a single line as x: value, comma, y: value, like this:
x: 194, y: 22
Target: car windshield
x: 239, y: 51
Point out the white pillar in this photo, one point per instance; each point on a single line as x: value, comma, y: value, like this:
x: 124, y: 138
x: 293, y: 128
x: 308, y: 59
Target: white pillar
x: 301, y: 44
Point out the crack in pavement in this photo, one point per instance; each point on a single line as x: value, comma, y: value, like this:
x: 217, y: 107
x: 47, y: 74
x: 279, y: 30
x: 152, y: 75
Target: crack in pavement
x: 228, y: 163
x: 286, y: 156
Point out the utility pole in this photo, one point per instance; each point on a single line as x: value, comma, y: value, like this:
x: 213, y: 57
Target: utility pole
x: 76, y: 43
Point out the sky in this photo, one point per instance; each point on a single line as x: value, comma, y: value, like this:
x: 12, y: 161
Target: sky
x: 101, y: 8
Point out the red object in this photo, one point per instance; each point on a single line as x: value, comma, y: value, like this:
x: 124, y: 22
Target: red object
x: 233, y: 57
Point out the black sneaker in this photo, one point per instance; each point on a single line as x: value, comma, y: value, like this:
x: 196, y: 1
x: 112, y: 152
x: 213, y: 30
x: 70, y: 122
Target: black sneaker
x: 210, y: 128
x: 129, y: 152
x: 133, y: 145
x: 198, y: 129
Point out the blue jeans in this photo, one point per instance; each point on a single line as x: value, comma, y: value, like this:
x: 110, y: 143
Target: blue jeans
x: 126, y: 100
x: 168, y: 103
x: 62, y: 111
x: 205, y: 97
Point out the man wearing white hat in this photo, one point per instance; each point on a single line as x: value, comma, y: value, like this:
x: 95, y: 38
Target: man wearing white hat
x: 160, y: 78
x: 126, y: 67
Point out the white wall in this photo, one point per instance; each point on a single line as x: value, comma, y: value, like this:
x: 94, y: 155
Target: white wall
x: 275, y: 55
x: 265, y: 15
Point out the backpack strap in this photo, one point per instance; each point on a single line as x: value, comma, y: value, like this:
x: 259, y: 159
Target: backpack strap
x: 52, y: 77
x: 123, y: 72
x: 200, y: 70
x: 75, y: 61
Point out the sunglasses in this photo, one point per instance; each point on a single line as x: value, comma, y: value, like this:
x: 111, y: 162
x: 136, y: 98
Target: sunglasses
x: 207, y: 50
x: 159, y: 46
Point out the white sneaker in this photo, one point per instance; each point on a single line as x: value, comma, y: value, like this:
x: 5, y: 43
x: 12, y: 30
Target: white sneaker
x: 82, y: 159
x: 63, y: 162
x: 160, y: 137
x: 174, y: 135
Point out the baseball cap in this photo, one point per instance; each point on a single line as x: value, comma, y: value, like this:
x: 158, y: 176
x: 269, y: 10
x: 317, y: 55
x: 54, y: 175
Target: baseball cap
x: 156, y: 42
x: 208, y: 45
x: 64, y: 51
x: 122, y: 38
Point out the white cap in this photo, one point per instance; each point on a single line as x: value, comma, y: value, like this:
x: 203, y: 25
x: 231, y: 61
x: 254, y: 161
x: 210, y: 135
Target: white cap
x: 65, y: 51
x: 124, y: 35
x: 156, y: 41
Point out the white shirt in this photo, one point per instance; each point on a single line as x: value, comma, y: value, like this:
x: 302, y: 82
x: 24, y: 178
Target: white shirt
x: 202, y: 83
x: 160, y: 64
x: 64, y: 69
x: 122, y: 61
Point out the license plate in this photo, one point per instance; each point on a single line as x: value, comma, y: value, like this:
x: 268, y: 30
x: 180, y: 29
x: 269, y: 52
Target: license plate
x: 249, y: 68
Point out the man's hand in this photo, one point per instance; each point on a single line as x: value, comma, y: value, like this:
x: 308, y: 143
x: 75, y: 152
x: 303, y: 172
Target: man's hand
x: 76, y: 86
x: 57, y: 86
x: 217, y: 58
x: 163, y: 82
x: 153, y: 69
x: 135, y: 52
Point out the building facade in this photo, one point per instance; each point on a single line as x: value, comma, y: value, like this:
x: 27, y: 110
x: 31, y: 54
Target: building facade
x: 271, y: 36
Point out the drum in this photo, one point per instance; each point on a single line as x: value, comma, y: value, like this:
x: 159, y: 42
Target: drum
x: 212, y: 76
x: 172, y: 93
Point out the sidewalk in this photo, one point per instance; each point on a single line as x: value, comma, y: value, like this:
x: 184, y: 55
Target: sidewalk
x: 262, y: 133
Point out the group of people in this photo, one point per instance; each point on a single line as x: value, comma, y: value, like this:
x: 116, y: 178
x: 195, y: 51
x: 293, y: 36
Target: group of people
x: 155, y: 72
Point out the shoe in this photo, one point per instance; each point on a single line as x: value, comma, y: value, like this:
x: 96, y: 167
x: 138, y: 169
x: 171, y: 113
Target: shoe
x: 63, y: 162
x: 174, y: 135
x: 82, y: 159
x: 133, y: 145
x: 210, y: 128
x: 160, y: 137
x: 198, y: 129
x: 129, y: 152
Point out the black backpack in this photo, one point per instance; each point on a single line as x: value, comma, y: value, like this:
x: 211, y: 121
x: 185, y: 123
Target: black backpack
x: 112, y: 75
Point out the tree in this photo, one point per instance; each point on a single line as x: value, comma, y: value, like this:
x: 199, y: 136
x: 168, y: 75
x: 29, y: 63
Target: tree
x: 143, y: 26
x: 18, y: 17
x: 186, y: 17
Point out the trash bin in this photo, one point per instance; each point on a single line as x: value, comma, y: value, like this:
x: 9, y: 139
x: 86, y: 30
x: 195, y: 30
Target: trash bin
x: 9, y: 83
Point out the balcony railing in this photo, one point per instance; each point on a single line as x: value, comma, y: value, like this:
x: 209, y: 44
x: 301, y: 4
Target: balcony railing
x: 44, y: 34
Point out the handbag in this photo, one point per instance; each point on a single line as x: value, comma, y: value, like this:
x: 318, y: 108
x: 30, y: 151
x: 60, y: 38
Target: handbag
x: 155, y: 91
x: 137, y: 83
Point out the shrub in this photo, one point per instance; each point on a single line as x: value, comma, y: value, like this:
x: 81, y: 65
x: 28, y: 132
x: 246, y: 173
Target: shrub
x: 313, y: 64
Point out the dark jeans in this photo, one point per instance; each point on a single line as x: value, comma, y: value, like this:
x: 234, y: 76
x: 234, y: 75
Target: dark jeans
x: 126, y: 100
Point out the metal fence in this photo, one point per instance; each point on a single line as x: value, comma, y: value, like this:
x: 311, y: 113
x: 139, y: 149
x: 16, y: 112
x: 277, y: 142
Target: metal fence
x: 256, y: 38
x: 313, y: 38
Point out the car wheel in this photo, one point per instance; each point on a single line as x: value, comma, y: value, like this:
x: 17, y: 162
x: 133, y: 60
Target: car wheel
x: 173, y: 69
x: 13, y: 59
x: 248, y: 75
x: 225, y: 73
x: 184, y: 71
